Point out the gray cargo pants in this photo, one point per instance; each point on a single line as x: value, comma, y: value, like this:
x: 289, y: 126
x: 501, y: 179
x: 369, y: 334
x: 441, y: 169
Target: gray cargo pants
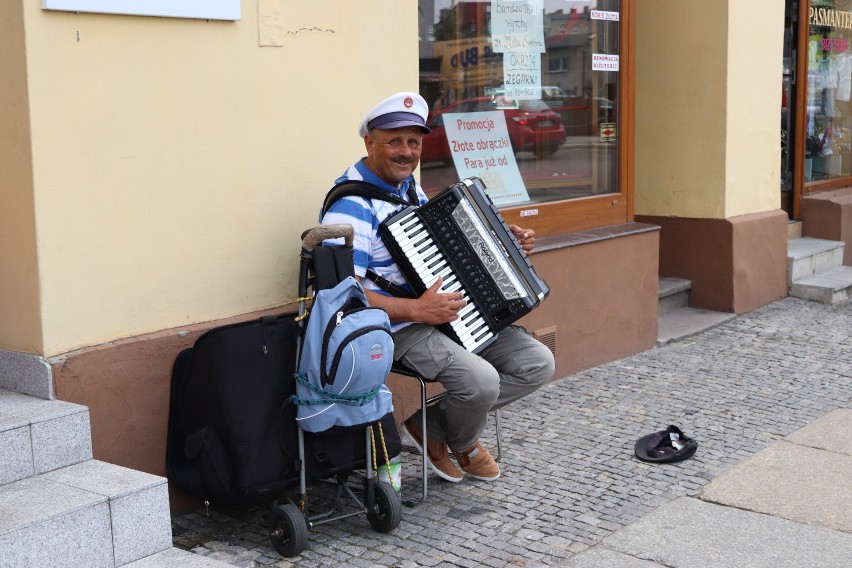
x: 515, y: 365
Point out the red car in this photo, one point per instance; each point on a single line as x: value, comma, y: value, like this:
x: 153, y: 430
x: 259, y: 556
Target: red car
x: 532, y: 126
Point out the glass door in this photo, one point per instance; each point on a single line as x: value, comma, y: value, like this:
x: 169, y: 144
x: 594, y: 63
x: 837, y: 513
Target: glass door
x: 828, y: 95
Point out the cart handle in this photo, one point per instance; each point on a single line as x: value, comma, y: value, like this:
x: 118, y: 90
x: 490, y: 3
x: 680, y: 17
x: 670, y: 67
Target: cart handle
x: 317, y: 235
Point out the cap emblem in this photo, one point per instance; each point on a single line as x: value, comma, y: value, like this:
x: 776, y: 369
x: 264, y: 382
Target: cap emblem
x: 408, y: 102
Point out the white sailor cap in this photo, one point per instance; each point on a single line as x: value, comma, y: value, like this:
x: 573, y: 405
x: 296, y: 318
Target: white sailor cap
x: 397, y: 111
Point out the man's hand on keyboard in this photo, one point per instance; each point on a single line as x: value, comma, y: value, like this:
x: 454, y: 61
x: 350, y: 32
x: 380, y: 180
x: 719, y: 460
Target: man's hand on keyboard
x: 439, y: 307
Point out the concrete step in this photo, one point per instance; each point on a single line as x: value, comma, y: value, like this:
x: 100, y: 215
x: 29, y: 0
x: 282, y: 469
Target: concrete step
x: 794, y: 229
x: 676, y: 319
x: 89, y: 514
x: 37, y: 435
x: 25, y: 373
x: 61, y: 508
x: 176, y: 558
x: 673, y: 294
x: 685, y: 322
x: 807, y: 256
x: 827, y: 287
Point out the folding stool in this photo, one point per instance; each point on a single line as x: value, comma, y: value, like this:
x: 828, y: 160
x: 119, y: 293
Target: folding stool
x: 400, y: 369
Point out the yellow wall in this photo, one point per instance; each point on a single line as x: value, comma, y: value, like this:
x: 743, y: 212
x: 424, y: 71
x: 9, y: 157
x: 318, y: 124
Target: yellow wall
x: 176, y: 162
x: 755, y: 46
x: 708, y: 107
x: 20, y: 320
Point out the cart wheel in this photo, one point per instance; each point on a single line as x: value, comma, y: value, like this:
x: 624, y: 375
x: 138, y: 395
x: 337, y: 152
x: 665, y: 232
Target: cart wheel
x: 387, y: 509
x: 288, y: 530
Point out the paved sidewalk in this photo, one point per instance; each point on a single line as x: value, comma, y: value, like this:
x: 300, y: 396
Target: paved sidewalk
x: 768, y: 397
x: 788, y: 505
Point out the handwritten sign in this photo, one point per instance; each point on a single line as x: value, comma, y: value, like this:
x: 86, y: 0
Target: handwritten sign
x: 517, y: 25
x: 522, y: 75
x: 480, y: 145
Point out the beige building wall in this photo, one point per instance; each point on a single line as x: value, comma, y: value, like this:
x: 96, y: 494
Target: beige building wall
x: 176, y: 162
x: 20, y: 318
x: 755, y: 55
x: 706, y: 138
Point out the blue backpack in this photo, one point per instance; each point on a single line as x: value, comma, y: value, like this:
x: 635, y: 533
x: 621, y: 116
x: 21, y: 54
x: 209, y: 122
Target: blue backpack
x: 345, y: 357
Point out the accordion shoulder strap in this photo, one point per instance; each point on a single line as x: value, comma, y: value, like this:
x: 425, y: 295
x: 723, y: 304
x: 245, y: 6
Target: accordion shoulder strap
x: 388, y: 286
x: 367, y: 190
x: 370, y: 191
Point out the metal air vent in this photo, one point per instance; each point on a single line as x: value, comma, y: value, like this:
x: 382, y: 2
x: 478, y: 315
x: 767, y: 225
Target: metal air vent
x: 547, y: 336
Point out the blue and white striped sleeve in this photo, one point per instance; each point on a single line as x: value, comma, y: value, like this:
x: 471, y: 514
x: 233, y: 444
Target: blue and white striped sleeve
x: 356, y: 211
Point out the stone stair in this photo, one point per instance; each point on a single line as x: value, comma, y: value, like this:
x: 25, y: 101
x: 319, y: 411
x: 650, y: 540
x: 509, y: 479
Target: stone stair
x: 61, y: 508
x: 677, y: 319
x: 815, y: 270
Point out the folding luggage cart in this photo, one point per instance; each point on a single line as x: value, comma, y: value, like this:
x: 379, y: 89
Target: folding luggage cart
x: 233, y: 437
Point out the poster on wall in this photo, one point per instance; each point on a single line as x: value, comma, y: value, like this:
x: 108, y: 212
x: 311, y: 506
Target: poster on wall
x: 202, y: 9
x: 480, y: 145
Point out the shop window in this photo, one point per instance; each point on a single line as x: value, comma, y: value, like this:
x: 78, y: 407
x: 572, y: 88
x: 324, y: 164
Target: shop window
x: 828, y: 113
x: 525, y: 94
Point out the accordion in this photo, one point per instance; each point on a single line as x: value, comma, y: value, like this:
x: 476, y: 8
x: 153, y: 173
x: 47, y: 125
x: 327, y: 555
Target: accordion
x: 460, y: 236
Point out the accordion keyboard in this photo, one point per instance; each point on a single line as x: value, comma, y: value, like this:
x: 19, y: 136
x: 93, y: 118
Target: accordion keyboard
x: 459, y: 236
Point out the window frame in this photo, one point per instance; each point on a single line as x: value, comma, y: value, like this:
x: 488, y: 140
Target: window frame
x: 573, y: 215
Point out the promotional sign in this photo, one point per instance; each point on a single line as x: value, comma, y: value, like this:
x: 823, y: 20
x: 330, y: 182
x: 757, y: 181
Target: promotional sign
x: 480, y: 145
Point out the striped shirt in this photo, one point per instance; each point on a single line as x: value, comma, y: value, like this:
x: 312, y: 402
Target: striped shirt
x: 365, y: 215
